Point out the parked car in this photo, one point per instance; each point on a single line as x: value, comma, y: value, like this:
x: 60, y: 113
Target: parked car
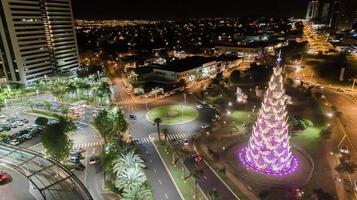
x: 73, y: 159
x: 199, y: 106
x: 80, y: 166
x: 14, y: 142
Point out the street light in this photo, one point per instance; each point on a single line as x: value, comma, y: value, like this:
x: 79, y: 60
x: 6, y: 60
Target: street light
x: 330, y: 115
x: 184, y: 97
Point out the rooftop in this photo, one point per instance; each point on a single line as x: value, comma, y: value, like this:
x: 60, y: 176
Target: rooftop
x: 186, y: 63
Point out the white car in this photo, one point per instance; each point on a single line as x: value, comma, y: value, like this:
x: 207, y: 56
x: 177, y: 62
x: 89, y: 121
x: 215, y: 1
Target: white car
x: 14, y: 142
x: 205, y: 126
x: 199, y: 106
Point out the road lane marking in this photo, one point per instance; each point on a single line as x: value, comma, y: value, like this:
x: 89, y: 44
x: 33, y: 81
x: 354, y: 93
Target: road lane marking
x: 166, y: 196
x: 160, y: 181
x: 85, y: 170
x: 154, y: 170
x: 150, y: 160
x: 205, y: 177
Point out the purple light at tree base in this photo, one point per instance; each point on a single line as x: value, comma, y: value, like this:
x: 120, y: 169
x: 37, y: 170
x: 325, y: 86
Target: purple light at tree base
x: 269, y: 149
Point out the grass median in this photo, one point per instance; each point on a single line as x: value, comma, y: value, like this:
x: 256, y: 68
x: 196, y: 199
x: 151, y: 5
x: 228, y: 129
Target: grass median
x: 187, y: 187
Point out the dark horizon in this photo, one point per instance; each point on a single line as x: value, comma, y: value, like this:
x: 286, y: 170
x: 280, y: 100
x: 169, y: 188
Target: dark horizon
x: 161, y: 9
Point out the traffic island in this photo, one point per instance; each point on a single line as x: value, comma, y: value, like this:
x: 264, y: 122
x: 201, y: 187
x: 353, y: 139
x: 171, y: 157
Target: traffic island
x: 172, y: 114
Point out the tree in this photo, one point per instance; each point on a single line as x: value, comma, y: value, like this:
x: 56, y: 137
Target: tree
x: 219, y: 78
x: 64, y: 109
x: 166, y: 133
x: 127, y: 161
x: 104, y: 124
x: 157, y: 121
x: 130, y: 178
x: 41, y: 121
x: 213, y: 194
x: 47, y: 105
x: 137, y: 192
x: 56, y: 141
x: 120, y: 123
x: 196, y: 174
x: 235, y: 76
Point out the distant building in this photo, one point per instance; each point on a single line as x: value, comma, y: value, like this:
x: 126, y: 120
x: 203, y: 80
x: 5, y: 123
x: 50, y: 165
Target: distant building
x: 326, y: 13
x: 312, y: 10
x: 37, y: 39
x: 190, y: 69
x: 343, y: 14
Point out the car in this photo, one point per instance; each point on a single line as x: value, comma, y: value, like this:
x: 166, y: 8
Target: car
x: 185, y: 142
x: 93, y: 159
x: 27, y: 136
x: 14, y: 142
x: 4, y: 177
x: 199, y: 106
x: 340, y: 90
x: 76, y: 154
x: 132, y: 116
x: 344, y: 150
x: 204, y: 125
x: 214, y: 119
x: 73, y: 159
x: 78, y: 149
x: 80, y: 166
x: 19, y: 123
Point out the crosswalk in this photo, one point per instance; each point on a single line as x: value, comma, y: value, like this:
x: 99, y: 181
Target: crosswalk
x: 143, y: 140
x: 125, y: 102
x: 89, y: 144
x: 173, y: 135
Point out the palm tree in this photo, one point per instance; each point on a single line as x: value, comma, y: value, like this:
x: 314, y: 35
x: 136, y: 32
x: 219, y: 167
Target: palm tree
x: 127, y: 161
x: 138, y: 192
x: 166, y: 133
x: 130, y: 178
x: 213, y: 194
x: 182, y: 155
x: 196, y: 174
x: 47, y: 105
x: 157, y: 121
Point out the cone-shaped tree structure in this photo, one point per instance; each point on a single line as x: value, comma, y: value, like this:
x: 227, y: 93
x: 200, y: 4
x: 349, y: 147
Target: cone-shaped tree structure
x: 269, y: 149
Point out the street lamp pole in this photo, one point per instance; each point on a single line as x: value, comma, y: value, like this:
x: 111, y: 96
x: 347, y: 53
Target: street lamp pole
x: 184, y: 97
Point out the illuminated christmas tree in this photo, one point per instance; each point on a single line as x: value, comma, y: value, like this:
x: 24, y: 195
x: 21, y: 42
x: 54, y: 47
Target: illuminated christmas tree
x: 269, y: 149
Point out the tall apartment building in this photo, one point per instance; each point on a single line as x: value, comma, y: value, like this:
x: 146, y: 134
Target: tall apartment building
x: 37, y: 39
x: 312, y: 10
x: 343, y: 13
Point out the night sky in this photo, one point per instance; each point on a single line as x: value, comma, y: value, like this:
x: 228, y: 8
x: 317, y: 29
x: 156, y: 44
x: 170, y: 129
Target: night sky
x: 169, y: 9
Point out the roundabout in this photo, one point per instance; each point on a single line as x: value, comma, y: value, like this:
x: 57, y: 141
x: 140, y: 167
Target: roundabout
x: 172, y: 114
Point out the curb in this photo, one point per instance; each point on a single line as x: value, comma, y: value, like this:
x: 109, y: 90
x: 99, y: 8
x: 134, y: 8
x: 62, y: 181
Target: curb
x: 168, y: 171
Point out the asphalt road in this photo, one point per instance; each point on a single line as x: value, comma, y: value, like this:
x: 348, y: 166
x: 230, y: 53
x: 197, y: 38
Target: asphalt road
x: 162, y: 186
x: 17, y: 189
x: 208, y: 181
